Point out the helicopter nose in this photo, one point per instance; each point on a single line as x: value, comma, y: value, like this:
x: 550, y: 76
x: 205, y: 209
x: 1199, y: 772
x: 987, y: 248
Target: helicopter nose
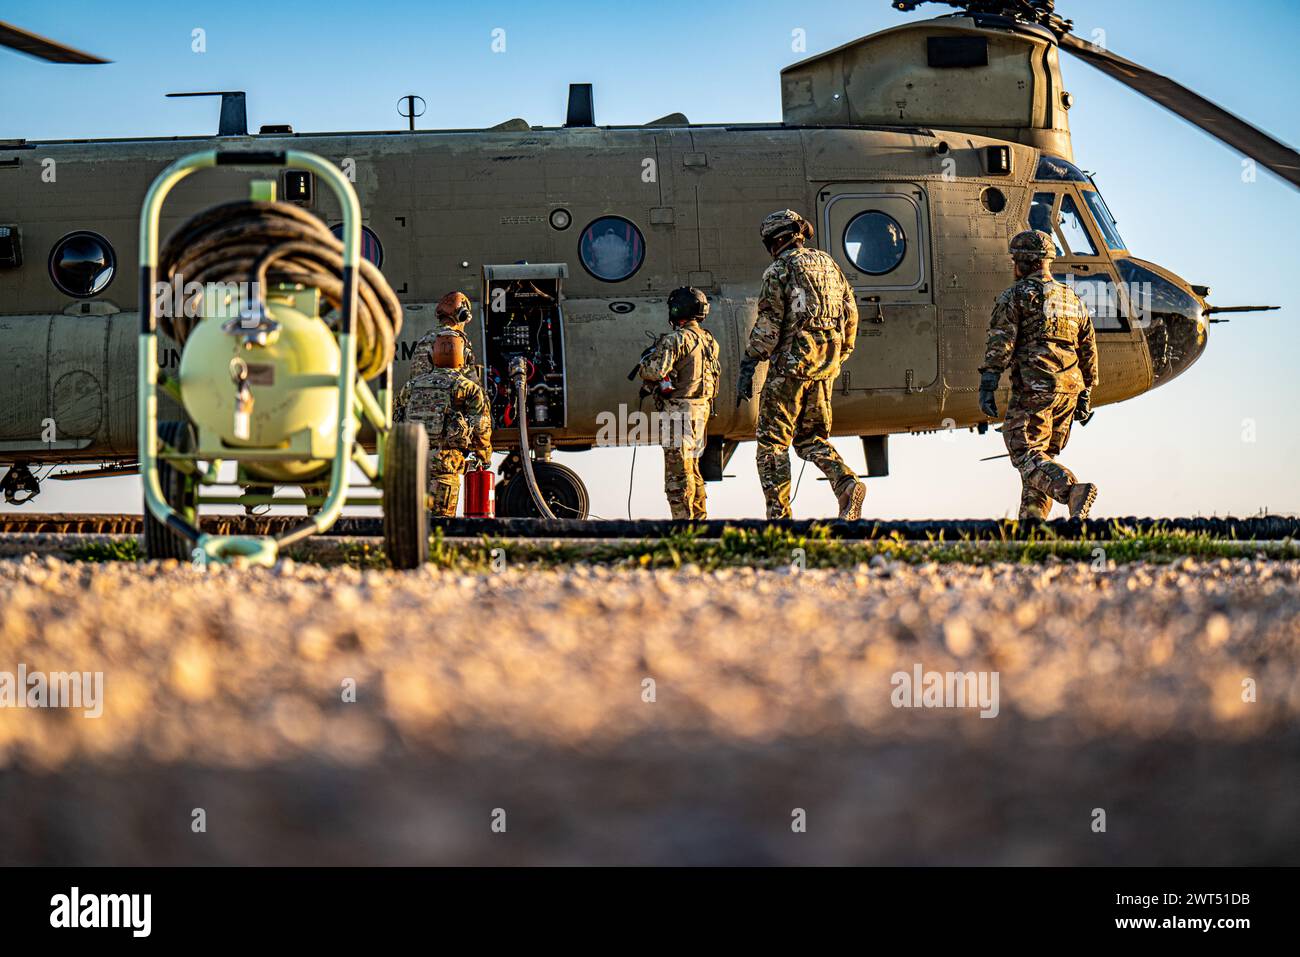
x: 1171, y: 317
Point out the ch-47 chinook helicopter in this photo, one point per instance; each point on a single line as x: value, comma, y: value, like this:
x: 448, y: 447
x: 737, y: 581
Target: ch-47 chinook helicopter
x: 917, y: 152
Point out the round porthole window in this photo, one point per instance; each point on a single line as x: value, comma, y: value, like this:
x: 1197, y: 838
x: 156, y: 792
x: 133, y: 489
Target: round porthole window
x: 874, y: 242
x: 82, y: 264
x: 560, y: 219
x: 371, y: 248
x: 994, y: 199
x: 611, y: 249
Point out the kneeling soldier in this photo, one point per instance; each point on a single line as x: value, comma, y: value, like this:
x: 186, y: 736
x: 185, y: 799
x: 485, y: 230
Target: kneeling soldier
x: 683, y: 370
x: 455, y: 415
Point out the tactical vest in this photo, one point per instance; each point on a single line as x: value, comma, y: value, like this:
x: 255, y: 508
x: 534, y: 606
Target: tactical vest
x: 1050, y: 312
x: 815, y: 295
x: 696, y: 373
x: 812, y: 329
x: 432, y: 402
x: 1049, y: 317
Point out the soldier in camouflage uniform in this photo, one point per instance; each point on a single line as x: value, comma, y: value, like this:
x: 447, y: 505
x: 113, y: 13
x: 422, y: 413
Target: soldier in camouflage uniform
x: 807, y: 326
x: 452, y: 313
x: 683, y: 369
x: 1042, y: 331
x: 456, y: 418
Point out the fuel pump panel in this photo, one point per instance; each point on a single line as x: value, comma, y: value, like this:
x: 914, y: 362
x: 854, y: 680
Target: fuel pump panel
x: 523, y: 319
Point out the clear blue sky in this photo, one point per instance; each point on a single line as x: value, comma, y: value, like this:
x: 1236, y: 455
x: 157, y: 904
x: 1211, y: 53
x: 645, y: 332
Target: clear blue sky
x: 1177, y: 193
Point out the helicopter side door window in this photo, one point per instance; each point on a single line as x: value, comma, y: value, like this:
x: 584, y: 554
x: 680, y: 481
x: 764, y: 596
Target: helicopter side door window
x: 876, y: 232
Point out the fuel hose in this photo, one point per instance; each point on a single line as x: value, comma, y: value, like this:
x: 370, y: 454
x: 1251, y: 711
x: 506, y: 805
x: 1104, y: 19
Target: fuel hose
x: 264, y: 242
x: 519, y: 372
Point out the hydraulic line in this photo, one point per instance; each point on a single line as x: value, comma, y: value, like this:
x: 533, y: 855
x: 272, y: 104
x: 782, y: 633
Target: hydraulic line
x: 261, y: 242
x: 519, y: 372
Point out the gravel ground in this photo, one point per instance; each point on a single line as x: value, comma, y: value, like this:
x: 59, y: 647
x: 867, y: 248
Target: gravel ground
x: 523, y: 695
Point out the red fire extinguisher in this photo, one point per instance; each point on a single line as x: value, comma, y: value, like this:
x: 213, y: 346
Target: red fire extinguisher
x: 480, y: 493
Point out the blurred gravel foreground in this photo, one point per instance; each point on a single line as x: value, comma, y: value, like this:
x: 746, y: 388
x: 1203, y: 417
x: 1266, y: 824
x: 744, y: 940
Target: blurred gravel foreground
x: 595, y: 716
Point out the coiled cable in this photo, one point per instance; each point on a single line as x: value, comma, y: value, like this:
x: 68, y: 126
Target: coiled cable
x: 261, y: 242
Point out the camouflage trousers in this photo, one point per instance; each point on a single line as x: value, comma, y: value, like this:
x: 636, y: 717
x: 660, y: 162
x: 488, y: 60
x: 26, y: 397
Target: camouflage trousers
x: 446, y: 471
x: 1036, y: 430
x: 798, y: 411
x: 686, y: 422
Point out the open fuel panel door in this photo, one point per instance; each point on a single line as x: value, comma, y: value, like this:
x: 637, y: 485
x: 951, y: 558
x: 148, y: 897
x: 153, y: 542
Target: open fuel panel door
x: 521, y: 316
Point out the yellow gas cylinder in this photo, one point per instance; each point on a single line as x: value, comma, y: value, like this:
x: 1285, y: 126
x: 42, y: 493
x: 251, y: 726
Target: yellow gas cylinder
x: 260, y: 392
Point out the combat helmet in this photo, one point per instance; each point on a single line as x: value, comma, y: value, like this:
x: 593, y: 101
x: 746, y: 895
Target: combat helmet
x: 778, y: 229
x: 1032, y: 245
x: 687, y: 303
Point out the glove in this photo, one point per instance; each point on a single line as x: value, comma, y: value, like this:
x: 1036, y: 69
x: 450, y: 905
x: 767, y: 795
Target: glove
x: 988, y: 391
x: 745, y: 381
x: 1083, y: 412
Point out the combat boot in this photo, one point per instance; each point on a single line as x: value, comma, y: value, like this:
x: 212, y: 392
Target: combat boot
x: 1035, y: 506
x: 1081, y: 497
x: 851, y: 501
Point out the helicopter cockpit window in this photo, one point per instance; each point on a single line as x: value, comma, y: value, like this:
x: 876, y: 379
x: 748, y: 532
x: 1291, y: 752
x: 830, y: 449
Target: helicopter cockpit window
x: 1054, y: 168
x: 1172, y: 320
x: 1073, y: 229
x: 611, y: 248
x: 1105, y: 221
x: 1040, y: 217
x: 82, y: 264
x: 874, y: 242
x: 1100, y: 297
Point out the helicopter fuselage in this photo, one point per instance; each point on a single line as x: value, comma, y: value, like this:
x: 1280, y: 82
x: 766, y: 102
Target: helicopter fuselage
x: 685, y: 201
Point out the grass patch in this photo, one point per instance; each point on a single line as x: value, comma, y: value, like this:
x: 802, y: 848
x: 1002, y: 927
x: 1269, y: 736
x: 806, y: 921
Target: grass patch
x: 780, y: 548
x: 769, y: 547
x: 107, y: 550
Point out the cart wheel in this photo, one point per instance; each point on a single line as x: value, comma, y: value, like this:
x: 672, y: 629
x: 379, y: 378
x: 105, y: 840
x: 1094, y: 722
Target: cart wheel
x: 180, y: 492
x: 406, y: 513
x: 561, y: 487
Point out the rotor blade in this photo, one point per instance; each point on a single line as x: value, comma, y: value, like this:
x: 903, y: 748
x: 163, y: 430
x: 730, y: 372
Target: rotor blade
x: 41, y: 48
x: 1196, y: 109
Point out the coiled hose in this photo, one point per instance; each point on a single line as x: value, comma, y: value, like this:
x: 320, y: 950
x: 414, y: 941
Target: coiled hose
x: 260, y: 242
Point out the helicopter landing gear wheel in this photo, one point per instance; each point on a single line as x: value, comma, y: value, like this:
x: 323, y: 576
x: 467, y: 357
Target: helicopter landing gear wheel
x: 406, y: 509
x: 180, y: 491
x: 560, y: 486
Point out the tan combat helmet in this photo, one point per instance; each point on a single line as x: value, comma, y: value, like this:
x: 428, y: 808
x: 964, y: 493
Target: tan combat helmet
x: 1032, y: 246
x: 448, y: 350
x: 779, y: 229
